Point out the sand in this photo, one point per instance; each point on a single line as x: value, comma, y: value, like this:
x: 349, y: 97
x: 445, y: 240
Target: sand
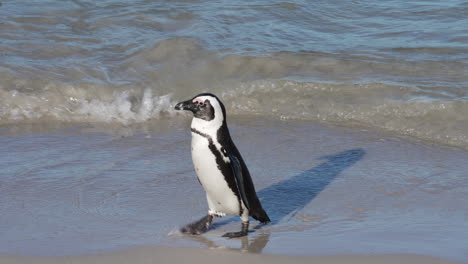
x: 147, y: 255
x: 342, y: 192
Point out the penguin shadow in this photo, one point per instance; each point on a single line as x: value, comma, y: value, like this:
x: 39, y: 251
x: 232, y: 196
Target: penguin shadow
x: 289, y: 196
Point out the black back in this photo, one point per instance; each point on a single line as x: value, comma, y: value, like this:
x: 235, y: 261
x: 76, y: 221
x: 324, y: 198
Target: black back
x: 256, y: 210
x: 224, y: 138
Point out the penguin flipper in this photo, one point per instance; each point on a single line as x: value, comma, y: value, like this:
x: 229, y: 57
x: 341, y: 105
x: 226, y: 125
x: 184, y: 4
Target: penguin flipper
x: 237, y: 171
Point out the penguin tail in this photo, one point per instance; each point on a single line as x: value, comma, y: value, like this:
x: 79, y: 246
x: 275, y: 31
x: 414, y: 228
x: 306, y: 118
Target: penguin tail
x: 261, y: 215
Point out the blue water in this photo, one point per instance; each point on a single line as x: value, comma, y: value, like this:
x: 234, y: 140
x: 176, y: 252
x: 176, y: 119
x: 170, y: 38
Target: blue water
x: 262, y: 27
x: 400, y: 66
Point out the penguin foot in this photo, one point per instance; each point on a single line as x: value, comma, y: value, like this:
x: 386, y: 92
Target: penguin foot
x: 235, y: 234
x: 243, y: 232
x: 198, y: 227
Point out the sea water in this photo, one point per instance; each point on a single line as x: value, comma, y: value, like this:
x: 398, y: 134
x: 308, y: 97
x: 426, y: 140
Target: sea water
x: 397, y: 66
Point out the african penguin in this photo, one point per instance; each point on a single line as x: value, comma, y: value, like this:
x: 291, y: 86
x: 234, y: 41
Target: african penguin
x: 219, y: 167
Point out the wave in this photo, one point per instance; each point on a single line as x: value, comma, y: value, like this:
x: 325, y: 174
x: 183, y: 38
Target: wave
x: 425, y: 99
x: 74, y: 104
x: 403, y: 110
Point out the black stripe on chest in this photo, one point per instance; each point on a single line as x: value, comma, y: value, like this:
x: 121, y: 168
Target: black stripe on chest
x: 219, y: 157
x: 223, y: 166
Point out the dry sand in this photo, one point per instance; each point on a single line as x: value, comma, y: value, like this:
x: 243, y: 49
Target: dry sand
x: 146, y: 255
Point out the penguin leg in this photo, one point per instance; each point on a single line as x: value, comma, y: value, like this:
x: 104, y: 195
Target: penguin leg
x: 198, y: 227
x: 245, y: 224
x: 244, y: 231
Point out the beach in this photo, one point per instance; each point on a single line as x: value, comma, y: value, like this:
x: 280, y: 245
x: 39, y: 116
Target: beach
x: 351, y: 117
x: 328, y: 190
x: 179, y: 255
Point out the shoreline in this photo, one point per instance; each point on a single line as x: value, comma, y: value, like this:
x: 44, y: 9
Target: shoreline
x: 166, y: 123
x: 80, y: 191
x: 197, y: 255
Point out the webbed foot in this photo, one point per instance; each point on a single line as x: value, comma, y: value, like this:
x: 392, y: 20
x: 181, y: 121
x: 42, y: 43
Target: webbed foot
x: 244, y: 231
x: 235, y: 234
x: 198, y: 227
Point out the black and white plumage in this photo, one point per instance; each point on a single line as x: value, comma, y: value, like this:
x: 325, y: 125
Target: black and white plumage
x: 219, y: 167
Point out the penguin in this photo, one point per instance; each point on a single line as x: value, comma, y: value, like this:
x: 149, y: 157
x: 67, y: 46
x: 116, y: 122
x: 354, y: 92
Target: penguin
x: 219, y: 167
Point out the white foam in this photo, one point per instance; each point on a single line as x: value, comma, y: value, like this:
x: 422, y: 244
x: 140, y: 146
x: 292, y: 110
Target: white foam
x: 403, y: 110
x: 120, y: 109
x: 374, y: 105
x: 80, y: 104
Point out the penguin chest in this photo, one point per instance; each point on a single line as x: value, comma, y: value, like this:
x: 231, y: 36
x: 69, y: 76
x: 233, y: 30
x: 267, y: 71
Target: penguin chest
x: 221, y: 199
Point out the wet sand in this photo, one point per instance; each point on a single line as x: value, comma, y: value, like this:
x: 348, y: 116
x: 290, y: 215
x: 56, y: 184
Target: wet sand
x: 148, y: 255
x: 86, y: 190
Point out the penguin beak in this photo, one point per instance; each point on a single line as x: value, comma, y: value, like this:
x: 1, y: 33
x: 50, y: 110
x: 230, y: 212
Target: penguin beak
x: 186, y: 105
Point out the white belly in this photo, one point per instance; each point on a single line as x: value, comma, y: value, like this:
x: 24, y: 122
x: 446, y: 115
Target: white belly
x: 221, y: 199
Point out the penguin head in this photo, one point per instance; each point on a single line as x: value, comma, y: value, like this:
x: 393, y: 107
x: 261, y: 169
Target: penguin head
x: 205, y: 106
